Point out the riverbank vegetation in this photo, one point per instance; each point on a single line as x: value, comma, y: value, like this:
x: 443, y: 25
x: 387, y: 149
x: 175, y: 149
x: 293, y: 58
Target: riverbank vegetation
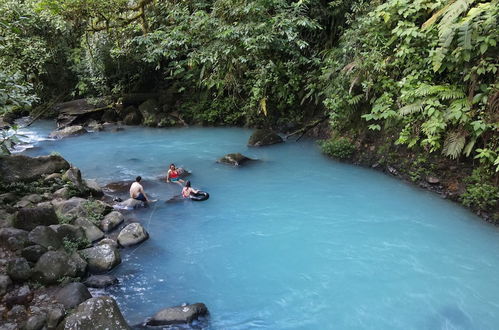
x: 417, y: 79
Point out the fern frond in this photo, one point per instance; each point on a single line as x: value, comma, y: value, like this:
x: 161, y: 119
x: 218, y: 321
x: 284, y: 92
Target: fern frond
x: 454, y: 144
x: 450, y: 93
x: 455, y: 10
x: 354, y: 100
x: 437, y: 15
x: 465, y: 32
x: 411, y: 108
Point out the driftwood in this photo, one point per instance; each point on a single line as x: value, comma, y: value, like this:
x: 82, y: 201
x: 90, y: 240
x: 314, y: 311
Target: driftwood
x: 306, y: 128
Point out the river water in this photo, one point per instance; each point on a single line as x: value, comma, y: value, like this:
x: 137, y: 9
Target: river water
x: 293, y: 241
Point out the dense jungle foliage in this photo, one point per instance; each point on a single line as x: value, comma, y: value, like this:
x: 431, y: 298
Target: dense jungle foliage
x: 422, y: 74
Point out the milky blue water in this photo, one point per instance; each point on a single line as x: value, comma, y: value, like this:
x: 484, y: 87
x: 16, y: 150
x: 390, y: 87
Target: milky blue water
x: 294, y: 241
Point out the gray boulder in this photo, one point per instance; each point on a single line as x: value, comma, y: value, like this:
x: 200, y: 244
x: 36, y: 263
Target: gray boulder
x: 18, y: 269
x: 94, y: 188
x: 68, y: 131
x: 102, y: 311
x: 13, y: 239
x: 72, y: 294
x: 78, y: 263
x: 100, y: 281
x: 73, y: 174
x: 129, y: 204
x: 30, y: 218
x: 53, y: 266
x: 63, y: 193
x: 33, y: 253
x: 5, y: 284
x: 109, y: 241
x: 92, y: 232
x: 23, y: 168
x: 28, y: 200
x: 54, y: 317
x: 235, y: 159
x: 111, y: 221
x: 264, y: 137
x: 70, y: 232
x: 35, y: 322
x: 46, y: 237
x: 132, y: 234
x: 178, y: 315
x: 101, y: 258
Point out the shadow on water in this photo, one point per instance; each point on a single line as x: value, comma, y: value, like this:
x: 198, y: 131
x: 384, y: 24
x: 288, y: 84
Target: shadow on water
x: 450, y: 317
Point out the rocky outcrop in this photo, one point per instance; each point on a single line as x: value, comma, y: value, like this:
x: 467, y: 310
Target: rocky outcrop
x: 23, y: 168
x: 68, y: 131
x: 111, y: 221
x: 100, y: 281
x: 178, y: 315
x: 30, y: 218
x: 264, y: 137
x: 54, y: 265
x: 132, y: 234
x: 72, y: 294
x: 101, y: 258
x: 45, y: 237
x: 235, y: 159
x: 100, y: 310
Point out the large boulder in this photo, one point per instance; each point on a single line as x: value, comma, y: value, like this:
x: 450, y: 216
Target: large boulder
x: 70, y: 232
x: 235, y: 159
x: 18, y: 269
x: 73, y: 175
x: 54, y: 317
x: 68, y: 131
x: 72, y: 294
x: 101, y: 258
x: 100, y: 281
x: 13, y: 239
x: 45, y: 237
x: 80, y: 207
x: 53, y: 266
x: 30, y: 218
x: 151, y: 112
x: 23, y: 168
x: 111, y: 221
x: 132, y: 234
x: 35, y: 322
x: 102, y: 311
x: 33, y: 253
x: 178, y: 315
x: 93, y: 188
x: 92, y: 232
x: 264, y: 137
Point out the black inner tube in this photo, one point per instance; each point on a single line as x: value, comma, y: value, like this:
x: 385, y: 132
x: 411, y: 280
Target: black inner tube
x: 199, y: 196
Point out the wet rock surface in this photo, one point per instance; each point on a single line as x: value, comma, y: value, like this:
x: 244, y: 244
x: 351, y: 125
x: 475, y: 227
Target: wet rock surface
x: 178, y: 315
x: 264, y: 137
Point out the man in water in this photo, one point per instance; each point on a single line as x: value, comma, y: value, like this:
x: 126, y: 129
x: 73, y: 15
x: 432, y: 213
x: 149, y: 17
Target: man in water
x: 137, y: 191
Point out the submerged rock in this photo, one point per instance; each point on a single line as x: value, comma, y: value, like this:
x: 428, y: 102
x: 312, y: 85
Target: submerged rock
x: 101, y: 258
x: 178, y: 315
x: 264, y: 137
x: 132, y: 234
x: 235, y: 159
x: 102, y: 311
x: 68, y: 131
x: 23, y: 168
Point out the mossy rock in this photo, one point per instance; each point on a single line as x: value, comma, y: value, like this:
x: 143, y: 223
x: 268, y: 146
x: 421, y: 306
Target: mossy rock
x: 264, y: 137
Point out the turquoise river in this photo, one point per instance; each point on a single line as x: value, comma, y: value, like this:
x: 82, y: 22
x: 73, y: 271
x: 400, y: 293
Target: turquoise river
x: 293, y: 241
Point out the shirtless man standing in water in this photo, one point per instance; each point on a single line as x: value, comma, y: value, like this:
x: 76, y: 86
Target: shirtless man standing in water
x: 137, y: 191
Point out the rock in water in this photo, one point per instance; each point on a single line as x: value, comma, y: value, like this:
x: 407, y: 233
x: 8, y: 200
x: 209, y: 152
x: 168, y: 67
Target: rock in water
x: 264, y: 137
x: 100, y: 281
x: 23, y: 168
x: 30, y: 218
x: 129, y: 204
x: 68, y: 131
x: 178, y: 314
x: 101, y: 311
x: 101, y: 258
x: 132, y: 234
x: 236, y: 159
x: 72, y: 295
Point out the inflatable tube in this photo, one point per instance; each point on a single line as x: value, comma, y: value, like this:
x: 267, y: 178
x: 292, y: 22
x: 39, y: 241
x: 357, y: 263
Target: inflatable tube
x: 199, y: 196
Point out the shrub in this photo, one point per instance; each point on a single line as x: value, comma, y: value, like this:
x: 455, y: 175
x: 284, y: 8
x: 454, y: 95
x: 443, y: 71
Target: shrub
x: 480, y: 192
x: 341, y: 148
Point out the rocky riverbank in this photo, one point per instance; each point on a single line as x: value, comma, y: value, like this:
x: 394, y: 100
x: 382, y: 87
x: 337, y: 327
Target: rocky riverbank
x: 56, y: 241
